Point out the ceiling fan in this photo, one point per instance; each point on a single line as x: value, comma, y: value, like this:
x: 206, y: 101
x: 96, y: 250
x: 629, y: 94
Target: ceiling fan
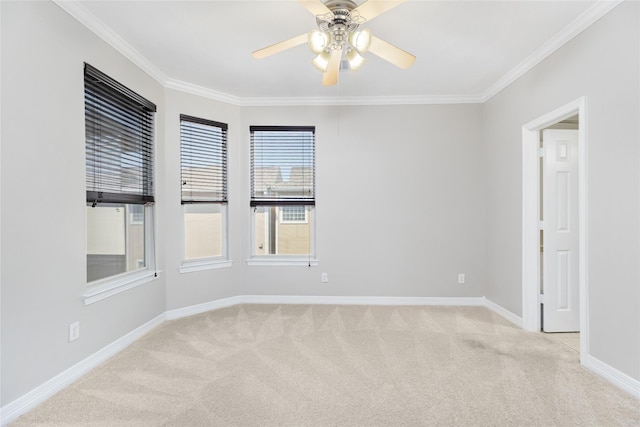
x: 339, y: 40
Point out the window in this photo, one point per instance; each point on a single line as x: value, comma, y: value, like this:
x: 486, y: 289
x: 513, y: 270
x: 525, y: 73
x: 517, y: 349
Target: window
x: 137, y: 214
x: 119, y: 178
x: 114, y: 245
x: 282, y: 194
x: 293, y: 214
x: 203, y: 155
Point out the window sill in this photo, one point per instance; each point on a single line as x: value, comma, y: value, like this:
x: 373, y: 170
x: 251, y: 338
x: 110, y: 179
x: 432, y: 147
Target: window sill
x: 301, y: 261
x: 204, y: 264
x: 113, y: 286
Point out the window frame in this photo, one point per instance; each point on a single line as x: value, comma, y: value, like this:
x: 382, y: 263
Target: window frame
x: 309, y: 203
x: 102, y: 93
x: 204, y: 153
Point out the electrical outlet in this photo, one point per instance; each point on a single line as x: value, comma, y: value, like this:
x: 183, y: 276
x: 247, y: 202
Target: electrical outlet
x: 74, y: 331
x: 325, y: 278
x: 461, y: 278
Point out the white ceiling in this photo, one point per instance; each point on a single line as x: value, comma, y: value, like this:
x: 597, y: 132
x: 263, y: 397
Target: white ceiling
x: 466, y: 50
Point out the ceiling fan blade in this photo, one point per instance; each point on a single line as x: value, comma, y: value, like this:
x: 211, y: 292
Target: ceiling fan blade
x: 314, y: 6
x: 391, y: 53
x: 330, y: 77
x: 372, y: 8
x: 279, y: 47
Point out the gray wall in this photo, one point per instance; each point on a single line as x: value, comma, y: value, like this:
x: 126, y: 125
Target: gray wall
x: 399, y: 204
x: 43, y: 193
x: 399, y: 201
x: 602, y: 64
x: 186, y: 289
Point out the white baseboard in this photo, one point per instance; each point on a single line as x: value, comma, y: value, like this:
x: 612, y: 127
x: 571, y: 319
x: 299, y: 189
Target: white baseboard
x: 498, y: 309
x: 356, y: 300
x: 620, y: 379
x: 41, y: 393
x: 191, y: 310
x: 314, y: 299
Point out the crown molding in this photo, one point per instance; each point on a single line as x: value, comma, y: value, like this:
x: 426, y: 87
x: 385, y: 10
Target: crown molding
x: 581, y: 23
x: 89, y: 20
x: 587, y: 18
x: 364, y: 100
x: 317, y: 101
x: 202, y: 91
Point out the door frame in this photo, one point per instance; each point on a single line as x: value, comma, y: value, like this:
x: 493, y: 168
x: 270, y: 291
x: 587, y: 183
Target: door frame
x: 530, y: 218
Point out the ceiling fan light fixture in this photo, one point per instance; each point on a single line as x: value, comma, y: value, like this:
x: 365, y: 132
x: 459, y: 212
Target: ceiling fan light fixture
x: 318, y: 41
x: 337, y: 42
x: 355, y: 60
x: 321, y: 62
x: 360, y: 40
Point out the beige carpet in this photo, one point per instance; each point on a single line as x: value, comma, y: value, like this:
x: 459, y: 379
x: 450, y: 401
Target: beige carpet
x: 302, y: 365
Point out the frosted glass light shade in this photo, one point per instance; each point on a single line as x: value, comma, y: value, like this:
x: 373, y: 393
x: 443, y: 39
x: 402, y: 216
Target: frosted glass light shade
x: 360, y: 40
x: 318, y: 41
x: 321, y: 61
x: 355, y: 60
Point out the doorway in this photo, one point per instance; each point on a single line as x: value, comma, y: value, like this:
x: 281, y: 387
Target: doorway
x: 533, y: 238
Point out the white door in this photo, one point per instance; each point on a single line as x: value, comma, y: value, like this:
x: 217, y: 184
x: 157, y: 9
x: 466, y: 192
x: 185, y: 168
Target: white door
x: 560, y: 257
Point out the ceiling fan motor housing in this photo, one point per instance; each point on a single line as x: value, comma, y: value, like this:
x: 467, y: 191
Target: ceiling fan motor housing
x: 339, y: 23
x: 334, y: 5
